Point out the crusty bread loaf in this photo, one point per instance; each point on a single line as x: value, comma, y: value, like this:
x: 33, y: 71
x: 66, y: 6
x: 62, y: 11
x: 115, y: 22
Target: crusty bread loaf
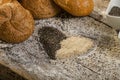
x: 41, y: 8
x: 76, y: 7
x: 16, y: 23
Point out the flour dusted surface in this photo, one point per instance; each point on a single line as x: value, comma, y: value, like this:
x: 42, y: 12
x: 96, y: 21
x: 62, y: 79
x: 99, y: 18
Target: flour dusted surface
x: 73, y: 46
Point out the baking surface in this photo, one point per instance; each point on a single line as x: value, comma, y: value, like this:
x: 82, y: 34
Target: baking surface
x: 102, y: 62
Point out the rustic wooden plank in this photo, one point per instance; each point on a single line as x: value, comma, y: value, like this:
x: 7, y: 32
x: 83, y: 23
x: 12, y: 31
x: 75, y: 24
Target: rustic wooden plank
x: 30, y: 60
x: 8, y: 74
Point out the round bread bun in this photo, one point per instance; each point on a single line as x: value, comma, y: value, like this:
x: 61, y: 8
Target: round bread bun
x: 16, y: 23
x: 76, y: 7
x: 41, y: 8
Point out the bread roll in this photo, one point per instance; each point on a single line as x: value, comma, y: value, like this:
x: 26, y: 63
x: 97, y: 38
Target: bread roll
x: 16, y: 23
x: 76, y: 7
x: 41, y: 8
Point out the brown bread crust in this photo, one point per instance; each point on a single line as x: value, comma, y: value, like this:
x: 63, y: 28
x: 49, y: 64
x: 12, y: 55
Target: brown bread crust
x: 76, y: 7
x: 41, y: 8
x: 16, y: 23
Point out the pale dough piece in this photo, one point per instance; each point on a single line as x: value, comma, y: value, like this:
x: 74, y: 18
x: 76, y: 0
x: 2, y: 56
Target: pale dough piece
x: 73, y: 46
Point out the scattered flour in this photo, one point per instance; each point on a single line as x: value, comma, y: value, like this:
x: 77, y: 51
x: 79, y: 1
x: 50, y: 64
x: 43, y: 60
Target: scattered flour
x: 73, y: 46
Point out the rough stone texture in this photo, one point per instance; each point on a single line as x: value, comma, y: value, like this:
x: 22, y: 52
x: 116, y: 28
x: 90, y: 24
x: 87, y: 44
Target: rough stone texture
x: 101, y: 63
